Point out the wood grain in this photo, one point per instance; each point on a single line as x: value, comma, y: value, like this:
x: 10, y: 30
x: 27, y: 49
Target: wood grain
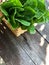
x: 23, y: 50
x: 32, y: 46
x: 45, y: 30
x: 11, y: 52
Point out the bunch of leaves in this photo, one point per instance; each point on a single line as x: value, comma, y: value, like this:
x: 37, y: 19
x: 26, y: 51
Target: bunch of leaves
x: 24, y: 13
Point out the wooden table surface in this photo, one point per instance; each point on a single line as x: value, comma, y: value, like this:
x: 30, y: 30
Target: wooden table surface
x: 26, y: 49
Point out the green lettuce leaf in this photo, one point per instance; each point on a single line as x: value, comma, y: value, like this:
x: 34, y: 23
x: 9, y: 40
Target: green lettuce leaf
x: 31, y: 29
x: 24, y: 22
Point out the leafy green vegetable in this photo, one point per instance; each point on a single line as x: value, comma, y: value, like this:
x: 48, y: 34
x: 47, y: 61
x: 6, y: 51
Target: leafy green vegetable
x: 31, y: 29
x: 4, y: 11
x: 16, y: 3
x: 41, y: 6
x: 23, y: 22
x: 31, y: 3
x: 23, y: 1
x: 24, y: 13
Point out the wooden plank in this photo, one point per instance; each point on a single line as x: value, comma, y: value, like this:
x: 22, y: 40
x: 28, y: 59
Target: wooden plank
x: 35, y: 47
x: 11, y: 51
x: 33, y: 57
x: 43, y: 29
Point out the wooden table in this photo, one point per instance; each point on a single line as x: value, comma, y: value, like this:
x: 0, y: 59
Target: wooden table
x: 26, y: 49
